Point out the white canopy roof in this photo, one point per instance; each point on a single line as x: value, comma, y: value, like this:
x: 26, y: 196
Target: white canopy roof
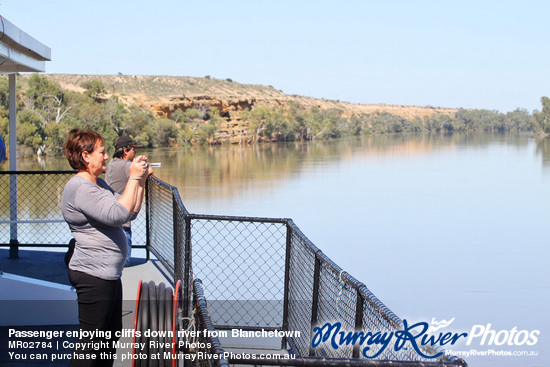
x: 19, y: 52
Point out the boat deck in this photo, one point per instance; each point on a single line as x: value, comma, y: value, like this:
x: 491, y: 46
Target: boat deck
x: 50, y: 266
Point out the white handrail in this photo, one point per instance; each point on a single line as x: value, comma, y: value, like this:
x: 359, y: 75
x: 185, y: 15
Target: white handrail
x: 32, y: 221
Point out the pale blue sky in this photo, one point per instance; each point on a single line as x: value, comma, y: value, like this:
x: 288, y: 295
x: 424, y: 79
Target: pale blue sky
x: 471, y: 54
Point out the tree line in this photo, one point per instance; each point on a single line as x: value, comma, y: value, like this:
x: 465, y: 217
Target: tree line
x: 46, y: 113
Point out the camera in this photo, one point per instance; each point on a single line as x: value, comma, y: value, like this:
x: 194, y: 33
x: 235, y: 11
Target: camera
x: 154, y: 165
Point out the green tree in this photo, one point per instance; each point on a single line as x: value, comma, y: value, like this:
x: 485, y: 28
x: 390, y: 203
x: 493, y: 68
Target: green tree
x: 208, y: 130
x: 140, y: 124
x: 55, y: 137
x: 93, y: 88
x: 519, y: 120
x: 4, y: 92
x: 30, y: 130
x: 298, y: 116
x: 543, y: 118
x: 43, y: 104
x: 191, y: 117
x: 46, y: 97
x: 166, y: 132
x: 384, y: 123
x: 257, y: 119
x: 279, y: 126
x: 189, y: 121
x: 114, y: 113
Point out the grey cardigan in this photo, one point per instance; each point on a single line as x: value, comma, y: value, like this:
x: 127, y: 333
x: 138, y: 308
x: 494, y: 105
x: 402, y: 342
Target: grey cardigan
x: 95, y: 218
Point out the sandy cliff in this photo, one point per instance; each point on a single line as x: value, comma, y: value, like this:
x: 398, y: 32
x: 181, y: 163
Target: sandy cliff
x: 165, y: 94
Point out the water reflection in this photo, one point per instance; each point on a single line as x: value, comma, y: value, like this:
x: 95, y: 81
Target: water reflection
x: 214, y: 172
x: 220, y: 171
x: 543, y: 149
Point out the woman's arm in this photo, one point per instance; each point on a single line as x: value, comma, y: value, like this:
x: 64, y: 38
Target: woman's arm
x: 132, y: 197
x: 99, y: 205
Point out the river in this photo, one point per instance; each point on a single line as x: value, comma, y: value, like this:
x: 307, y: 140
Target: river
x: 438, y: 227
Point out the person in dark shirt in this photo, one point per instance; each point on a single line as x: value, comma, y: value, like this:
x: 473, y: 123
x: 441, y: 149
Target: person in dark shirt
x: 117, y: 175
x: 2, y: 150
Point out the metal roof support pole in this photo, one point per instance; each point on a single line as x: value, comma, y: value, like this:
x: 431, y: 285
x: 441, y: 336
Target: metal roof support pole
x: 14, y: 243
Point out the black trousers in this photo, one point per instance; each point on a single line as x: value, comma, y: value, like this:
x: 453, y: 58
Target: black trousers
x: 100, y: 316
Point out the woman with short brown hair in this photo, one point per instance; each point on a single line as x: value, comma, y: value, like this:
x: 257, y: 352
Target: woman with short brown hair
x: 95, y: 213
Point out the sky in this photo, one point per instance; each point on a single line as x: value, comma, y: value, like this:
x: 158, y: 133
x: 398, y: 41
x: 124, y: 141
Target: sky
x: 458, y: 54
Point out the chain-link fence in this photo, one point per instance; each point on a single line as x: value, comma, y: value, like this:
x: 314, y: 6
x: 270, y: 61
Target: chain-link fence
x: 264, y: 273
x: 241, y: 262
x: 30, y: 210
x: 321, y: 291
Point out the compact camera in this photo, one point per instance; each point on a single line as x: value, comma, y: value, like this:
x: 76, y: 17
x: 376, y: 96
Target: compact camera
x: 154, y: 165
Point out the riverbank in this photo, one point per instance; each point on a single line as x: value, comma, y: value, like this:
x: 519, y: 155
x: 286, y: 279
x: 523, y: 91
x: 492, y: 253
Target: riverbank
x: 184, y: 111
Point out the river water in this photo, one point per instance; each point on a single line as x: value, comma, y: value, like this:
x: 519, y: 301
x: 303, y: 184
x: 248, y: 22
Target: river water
x: 438, y: 227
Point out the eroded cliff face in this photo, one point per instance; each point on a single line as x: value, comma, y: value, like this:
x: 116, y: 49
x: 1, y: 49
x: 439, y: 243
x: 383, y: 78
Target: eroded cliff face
x: 164, y: 95
x: 229, y: 108
x: 232, y: 129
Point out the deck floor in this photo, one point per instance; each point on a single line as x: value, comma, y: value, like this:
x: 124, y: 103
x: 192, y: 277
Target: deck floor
x: 50, y: 266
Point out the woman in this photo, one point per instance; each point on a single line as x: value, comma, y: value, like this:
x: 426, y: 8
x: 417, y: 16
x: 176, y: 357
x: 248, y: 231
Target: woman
x: 95, y: 214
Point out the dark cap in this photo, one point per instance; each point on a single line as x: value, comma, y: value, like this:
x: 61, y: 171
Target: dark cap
x: 125, y: 141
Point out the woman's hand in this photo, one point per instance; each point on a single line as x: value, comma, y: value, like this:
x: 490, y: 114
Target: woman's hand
x: 132, y: 197
x: 149, y: 172
x: 139, y: 168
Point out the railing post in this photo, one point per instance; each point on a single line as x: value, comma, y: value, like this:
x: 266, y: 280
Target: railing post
x: 358, y: 322
x: 14, y: 242
x: 315, y: 301
x: 286, y: 280
x: 147, y: 219
x: 182, y: 242
x: 178, y: 264
x: 187, y: 268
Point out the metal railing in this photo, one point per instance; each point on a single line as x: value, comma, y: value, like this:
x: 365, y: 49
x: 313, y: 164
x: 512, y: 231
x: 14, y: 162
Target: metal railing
x: 257, y: 273
x: 30, y: 211
x: 264, y: 273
